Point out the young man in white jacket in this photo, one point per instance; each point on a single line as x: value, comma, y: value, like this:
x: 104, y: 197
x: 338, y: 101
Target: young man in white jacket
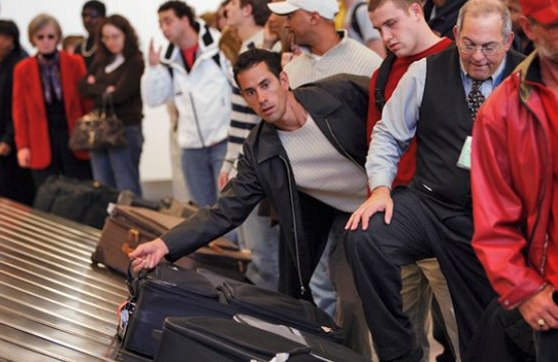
x: 194, y: 74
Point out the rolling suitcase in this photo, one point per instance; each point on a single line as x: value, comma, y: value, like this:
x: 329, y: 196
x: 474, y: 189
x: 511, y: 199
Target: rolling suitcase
x: 171, y: 291
x: 219, y: 340
x: 129, y: 226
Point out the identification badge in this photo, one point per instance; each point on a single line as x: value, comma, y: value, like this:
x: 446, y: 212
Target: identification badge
x: 465, y: 156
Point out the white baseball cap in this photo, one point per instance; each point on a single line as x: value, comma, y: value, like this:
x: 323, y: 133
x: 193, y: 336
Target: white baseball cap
x: 326, y: 8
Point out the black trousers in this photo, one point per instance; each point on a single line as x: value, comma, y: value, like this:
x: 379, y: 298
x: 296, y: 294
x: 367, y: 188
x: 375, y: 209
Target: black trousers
x: 421, y: 227
x: 16, y: 183
x: 63, y: 161
x: 546, y: 345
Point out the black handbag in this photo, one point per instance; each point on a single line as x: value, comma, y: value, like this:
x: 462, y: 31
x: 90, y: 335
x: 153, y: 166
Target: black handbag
x: 98, y: 130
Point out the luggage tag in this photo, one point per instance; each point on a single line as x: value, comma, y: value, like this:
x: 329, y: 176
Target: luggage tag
x: 123, y: 314
x: 464, y: 160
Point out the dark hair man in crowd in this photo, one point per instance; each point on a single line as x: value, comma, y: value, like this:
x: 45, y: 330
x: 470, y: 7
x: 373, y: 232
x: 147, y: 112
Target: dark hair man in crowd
x: 441, y: 15
x: 514, y: 181
x: 521, y: 42
x: 195, y: 75
x: 437, y: 99
x: 91, y: 14
x: 306, y: 157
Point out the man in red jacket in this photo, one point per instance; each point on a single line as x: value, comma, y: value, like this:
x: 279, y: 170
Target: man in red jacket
x: 408, y: 37
x: 515, y: 185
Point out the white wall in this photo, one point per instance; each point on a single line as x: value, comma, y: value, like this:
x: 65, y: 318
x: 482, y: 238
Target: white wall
x: 142, y: 14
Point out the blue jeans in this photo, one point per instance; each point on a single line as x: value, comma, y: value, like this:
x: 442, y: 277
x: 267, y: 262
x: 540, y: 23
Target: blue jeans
x: 119, y: 167
x: 262, y: 239
x: 201, y: 167
x: 323, y: 293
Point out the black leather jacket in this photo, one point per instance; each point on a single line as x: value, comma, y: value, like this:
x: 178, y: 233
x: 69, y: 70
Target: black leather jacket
x: 338, y: 105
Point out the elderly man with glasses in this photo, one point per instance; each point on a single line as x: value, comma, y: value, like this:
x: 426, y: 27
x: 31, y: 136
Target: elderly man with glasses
x: 437, y: 99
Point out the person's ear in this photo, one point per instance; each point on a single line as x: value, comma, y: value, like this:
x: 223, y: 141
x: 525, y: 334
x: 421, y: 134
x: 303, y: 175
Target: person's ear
x: 509, y: 40
x: 416, y: 10
x: 528, y: 27
x: 284, y: 80
x: 247, y: 10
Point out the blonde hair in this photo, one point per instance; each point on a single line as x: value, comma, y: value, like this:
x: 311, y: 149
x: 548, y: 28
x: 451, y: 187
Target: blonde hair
x: 39, y: 22
x: 230, y: 44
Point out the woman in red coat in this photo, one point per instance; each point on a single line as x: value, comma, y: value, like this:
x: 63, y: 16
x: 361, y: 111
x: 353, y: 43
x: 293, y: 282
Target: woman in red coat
x: 46, y: 105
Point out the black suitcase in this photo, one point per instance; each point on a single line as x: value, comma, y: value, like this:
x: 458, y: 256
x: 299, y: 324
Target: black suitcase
x: 219, y: 340
x: 166, y: 291
x: 78, y: 200
x: 171, y: 291
x: 275, y: 307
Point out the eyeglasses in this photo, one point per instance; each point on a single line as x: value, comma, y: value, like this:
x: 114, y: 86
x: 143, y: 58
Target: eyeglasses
x: 48, y: 36
x: 489, y: 49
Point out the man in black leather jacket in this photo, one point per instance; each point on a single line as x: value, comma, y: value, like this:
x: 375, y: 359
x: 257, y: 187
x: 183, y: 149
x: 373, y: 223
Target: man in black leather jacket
x: 312, y: 187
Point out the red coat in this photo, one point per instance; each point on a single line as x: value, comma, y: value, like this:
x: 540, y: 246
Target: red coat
x: 29, y: 112
x: 512, y: 185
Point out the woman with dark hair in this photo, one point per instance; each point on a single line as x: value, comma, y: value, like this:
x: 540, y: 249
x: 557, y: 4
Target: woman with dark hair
x: 115, y: 76
x: 46, y: 105
x: 15, y: 183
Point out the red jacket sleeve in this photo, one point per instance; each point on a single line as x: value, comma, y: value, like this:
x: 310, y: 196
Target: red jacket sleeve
x: 19, y: 112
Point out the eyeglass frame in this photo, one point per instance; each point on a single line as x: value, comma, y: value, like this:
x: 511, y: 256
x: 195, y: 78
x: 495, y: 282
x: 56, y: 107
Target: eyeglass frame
x: 45, y: 37
x: 469, y: 49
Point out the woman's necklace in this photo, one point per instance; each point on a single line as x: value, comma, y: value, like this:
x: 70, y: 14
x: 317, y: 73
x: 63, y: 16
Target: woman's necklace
x: 87, y: 53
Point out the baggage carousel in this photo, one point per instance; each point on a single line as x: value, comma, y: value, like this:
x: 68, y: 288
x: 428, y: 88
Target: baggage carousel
x: 54, y: 305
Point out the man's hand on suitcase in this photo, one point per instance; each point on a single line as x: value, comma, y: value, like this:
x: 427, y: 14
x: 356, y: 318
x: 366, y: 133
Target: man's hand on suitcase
x: 148, y: 255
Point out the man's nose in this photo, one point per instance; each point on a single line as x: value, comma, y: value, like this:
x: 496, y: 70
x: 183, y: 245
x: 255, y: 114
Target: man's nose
x: 261, y: 97
x: 386, y: 35
x: 478, y: 54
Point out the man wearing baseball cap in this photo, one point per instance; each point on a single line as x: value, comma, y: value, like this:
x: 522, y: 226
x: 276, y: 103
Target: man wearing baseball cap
x: 515, y: 182
x: 325, y: 8
x: 325, y: 51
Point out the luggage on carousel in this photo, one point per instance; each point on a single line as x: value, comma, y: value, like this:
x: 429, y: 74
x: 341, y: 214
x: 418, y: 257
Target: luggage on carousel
x: 220, y: 340
x: 166, y: 205
x: 129, y: 226
x: 172, y: 291
x: 78, y: 200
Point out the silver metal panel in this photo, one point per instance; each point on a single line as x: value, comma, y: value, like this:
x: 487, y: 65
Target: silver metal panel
x: 54, y: 305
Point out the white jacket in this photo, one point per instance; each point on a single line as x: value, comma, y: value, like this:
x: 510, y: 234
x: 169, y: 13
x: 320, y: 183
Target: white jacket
x: 202, y: 96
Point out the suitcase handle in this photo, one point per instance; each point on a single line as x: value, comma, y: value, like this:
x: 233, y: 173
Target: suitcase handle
x: 132, y: 241
x: 133, y: 281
